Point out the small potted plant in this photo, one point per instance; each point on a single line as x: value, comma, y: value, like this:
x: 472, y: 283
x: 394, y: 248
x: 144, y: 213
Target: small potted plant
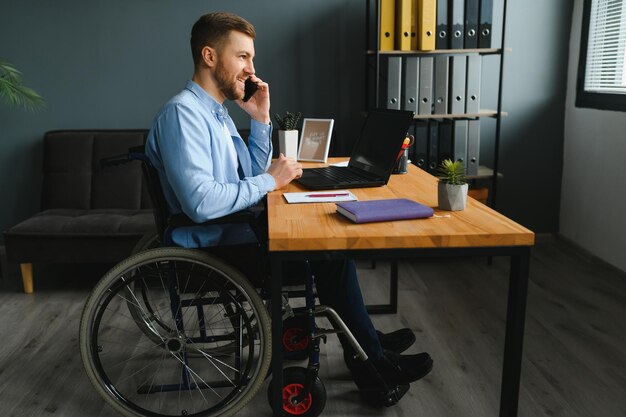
x: 287, y: 133
x: 452, y: 187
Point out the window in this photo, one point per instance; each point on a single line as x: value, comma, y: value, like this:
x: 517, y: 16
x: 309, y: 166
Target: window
x: 601, y: 80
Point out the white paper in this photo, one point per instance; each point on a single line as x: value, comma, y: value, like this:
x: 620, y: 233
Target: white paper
x: 330, y: 196
x: 340, y: 164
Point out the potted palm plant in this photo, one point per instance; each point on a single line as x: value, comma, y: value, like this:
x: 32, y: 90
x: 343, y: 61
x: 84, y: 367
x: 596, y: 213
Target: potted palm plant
x: 287, y: 133
x: 13, y: 92
x: 452, y: 187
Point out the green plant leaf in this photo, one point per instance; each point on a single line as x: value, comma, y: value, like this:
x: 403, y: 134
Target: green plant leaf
x: 451, y: 172
x: 14, y: 92
x: 289, y: 121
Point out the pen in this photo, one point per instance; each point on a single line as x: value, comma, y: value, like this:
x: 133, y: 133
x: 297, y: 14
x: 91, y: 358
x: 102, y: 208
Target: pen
x: 405, y: 145
x: 328, y: 195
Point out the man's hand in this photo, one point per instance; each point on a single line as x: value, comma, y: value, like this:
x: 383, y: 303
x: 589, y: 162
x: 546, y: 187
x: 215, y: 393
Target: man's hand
x: 258, y: 107
x: 284, y: 170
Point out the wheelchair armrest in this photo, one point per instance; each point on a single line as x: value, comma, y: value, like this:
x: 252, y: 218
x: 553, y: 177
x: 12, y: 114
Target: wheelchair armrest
x: 244, y: 216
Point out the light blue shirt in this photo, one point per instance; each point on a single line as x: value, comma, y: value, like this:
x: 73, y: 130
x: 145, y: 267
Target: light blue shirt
x: 188, y: 146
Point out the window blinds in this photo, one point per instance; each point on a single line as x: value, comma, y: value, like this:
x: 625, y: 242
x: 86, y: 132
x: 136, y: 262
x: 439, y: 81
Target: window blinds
x: 606, y: 68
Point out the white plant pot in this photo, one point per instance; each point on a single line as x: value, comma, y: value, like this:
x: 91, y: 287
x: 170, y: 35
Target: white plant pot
x: 288, y: 143
x: 451, y: 197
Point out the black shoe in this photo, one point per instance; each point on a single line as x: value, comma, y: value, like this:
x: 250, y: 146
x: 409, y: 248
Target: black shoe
x: 399, y: 369
x: 394, y: 368
x: 397, y: 341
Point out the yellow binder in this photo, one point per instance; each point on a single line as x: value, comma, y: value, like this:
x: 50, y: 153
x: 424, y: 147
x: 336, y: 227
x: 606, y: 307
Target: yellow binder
x: 403, y: 25
x: 387, y: 19
x: 427, y: 15
x: 414, y: 25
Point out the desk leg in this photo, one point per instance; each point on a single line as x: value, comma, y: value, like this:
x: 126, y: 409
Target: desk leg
x: 277, y: 333
x: 514, y: 339
x: 392, y: 307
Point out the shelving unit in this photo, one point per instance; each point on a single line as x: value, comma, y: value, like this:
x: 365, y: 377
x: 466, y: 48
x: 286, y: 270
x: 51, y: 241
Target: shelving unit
x: 373, y: 53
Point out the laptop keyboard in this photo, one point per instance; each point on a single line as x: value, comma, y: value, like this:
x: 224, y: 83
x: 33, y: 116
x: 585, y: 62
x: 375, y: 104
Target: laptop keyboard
x: 339, y: 174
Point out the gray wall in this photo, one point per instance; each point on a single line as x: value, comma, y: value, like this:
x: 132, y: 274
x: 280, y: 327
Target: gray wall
x: 533, y: 95
x: 113, y: 63
x: 593, y: 198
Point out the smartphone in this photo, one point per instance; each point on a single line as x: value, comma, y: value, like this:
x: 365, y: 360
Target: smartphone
x: 249, y: 89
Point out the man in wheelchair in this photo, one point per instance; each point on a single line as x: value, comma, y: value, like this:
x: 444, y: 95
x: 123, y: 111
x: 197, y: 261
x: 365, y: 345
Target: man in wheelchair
x: 207, y: 171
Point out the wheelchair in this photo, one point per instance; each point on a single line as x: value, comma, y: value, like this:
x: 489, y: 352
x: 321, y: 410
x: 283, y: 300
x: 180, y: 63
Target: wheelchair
x: 172, y: 331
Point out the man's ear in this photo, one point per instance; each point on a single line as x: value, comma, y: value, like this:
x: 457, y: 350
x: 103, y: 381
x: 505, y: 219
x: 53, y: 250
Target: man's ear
x: 209, y: 56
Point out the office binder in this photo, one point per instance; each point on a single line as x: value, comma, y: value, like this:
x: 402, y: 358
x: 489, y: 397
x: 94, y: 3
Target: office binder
x: 456, y: 13
x: 427, y: 21
x: 473, y: 146
x: 472, y: 92
x: 414, y: 25
x: 390, y: 82
x: 485, y: 17
x: 441, y: 84
x: 387, y: 24
x: 433, y: 146
x: 410, y: 85
x: 420, y: 146
x: 459, y: 146
x: 445, y: 140
x: 471, y: 24
x: 426, y: 86
x: 457, y: 84
x: 442, y: 25
x: 403, y: 25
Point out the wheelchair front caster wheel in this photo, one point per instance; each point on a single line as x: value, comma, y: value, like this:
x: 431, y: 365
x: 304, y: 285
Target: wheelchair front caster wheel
x: 293, y: 402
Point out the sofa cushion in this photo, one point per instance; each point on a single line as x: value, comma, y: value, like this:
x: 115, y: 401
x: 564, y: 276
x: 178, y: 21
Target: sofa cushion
x: 116, y: 186
x: 67, y: 170
x: 73, y: 178
x: 73, y: 235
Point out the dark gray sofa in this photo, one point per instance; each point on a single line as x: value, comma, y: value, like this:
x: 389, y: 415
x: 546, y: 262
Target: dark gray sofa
x: 88, y: 213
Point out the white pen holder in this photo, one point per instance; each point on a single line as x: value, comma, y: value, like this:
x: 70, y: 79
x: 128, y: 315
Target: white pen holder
x: 288, y: 143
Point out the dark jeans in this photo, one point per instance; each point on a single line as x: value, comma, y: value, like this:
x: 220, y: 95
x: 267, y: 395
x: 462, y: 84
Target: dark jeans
x: 336, y: 283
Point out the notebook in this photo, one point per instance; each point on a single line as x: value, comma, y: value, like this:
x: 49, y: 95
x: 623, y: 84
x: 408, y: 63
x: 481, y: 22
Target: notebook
x: 372, y: 157
x: 384, y: 210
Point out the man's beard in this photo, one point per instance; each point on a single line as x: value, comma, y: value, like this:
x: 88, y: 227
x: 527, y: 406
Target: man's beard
x: 228, y: 87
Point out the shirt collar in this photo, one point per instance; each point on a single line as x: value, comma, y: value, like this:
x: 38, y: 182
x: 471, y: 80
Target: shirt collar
x: 219, y: 110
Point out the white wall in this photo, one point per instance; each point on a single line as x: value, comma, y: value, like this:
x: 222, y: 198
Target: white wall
x: 593, y: 189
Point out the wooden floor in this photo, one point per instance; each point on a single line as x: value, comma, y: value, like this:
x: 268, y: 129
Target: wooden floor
x: 574, y: 352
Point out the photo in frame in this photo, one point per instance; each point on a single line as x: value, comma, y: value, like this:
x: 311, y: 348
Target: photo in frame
x: 315, y: 140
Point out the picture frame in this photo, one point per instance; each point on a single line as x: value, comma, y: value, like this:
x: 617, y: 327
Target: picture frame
x: 315, y: 140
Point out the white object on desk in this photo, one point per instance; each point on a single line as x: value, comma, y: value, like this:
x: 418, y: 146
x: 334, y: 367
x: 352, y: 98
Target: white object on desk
x: 330, y: 196
x: 288, y: 143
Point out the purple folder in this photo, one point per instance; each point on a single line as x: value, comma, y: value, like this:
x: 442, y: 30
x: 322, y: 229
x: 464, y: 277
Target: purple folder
x: 383, y: 210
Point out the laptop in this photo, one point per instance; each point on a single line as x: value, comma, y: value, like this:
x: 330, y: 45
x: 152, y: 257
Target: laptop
x: 373, y: 156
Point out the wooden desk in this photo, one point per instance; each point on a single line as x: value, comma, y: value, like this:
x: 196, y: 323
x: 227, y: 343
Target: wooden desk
x: 298, y: 231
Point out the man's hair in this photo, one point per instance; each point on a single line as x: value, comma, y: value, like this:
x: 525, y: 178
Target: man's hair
x: 213, y: 29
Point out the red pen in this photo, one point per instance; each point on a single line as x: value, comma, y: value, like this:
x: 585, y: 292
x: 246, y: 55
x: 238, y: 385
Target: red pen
x: 328, y: 195
x: 405, y: 145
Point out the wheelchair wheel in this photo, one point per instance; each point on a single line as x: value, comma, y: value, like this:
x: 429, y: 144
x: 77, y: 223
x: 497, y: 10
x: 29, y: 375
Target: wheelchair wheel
x: 201, y: 304
x: 311, y: 405
x: 148, y: 323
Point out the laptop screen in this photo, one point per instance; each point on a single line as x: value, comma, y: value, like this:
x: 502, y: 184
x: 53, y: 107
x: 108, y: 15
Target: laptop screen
x: 381, y: 138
